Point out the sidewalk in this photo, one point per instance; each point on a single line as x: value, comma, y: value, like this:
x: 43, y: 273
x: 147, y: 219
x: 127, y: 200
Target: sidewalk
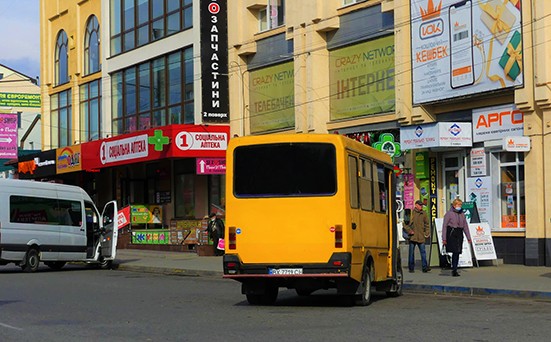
x: 515, y: 281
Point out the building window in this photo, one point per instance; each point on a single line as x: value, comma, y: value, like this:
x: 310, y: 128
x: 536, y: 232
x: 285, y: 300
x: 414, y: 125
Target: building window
x: 92, y: 47
x: 138, y: 22
x: 61, y: 59
x: 510, y: 208
x: 152, y: 94
x: 90, y: 111
x: 272, y: 16
x: 61, y: 119
x: 350, y: 2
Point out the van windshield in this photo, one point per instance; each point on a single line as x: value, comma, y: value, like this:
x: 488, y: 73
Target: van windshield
x: 285, y: 169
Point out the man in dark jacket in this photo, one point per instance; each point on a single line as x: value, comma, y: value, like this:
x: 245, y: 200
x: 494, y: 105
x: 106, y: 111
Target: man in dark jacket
x: 418, y: 231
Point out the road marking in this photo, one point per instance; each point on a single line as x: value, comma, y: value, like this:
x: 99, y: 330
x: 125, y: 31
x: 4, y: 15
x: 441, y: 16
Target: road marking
x: 9, y: 326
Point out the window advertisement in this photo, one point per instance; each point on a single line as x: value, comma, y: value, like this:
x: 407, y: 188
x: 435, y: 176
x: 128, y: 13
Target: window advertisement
x: 362, y: 79
x: 465, y: 47
x: 272, y: 98
x: 479, y: 191
x: 494, y: 123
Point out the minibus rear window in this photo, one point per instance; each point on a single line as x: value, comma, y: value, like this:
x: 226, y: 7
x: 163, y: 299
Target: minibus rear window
x: 285, y: 169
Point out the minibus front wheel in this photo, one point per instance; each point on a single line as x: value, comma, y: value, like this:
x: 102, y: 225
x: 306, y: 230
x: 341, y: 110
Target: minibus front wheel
x: 32, y: 260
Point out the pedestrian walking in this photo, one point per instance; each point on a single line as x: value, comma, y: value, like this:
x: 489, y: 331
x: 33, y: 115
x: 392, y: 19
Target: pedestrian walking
x: 454, y: 226
x: 418, y: 231
x: 216, y: 232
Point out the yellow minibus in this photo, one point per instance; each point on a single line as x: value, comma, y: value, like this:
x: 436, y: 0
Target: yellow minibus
x: 310, y: 212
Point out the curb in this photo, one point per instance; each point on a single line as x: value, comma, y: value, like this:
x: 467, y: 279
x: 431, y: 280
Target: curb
x: 477, y: 292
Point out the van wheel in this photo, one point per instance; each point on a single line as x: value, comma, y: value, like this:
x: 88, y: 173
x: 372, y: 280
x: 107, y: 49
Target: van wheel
x: 364, y: 299
x: 268, y: 298
x: 55, y: 265
x: 399, y: 285
x: 32, y: 260
x: 105, y: 264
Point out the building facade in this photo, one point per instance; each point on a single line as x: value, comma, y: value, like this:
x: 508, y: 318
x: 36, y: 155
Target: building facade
x: 19, y: 117
x: 131, y: 109
x: 456, y: 92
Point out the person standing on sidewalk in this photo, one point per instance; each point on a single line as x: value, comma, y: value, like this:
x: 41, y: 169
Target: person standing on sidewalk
x: 454, y: 225
x: 418, y: 231
x: 216, y: 232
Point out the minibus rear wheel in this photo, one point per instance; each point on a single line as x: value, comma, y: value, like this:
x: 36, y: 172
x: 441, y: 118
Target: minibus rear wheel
x: 364, y: 299
x: 267, y: 298
x: 32, y: 260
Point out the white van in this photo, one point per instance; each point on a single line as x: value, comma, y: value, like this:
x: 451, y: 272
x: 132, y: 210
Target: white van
x: 54, y: 223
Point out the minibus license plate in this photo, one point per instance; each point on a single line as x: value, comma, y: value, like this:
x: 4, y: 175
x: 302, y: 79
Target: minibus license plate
x: 284, y: 271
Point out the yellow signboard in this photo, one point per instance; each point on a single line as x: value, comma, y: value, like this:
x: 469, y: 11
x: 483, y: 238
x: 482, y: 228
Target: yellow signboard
x: 362, y: 79
x: 68, y: 159
x: 272, y: 98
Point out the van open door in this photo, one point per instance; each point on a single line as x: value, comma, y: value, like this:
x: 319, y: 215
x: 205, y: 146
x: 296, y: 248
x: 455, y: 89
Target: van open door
x: 110, y: 231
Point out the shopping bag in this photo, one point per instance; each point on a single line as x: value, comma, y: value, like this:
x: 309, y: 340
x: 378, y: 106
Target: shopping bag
x: 221, y: 244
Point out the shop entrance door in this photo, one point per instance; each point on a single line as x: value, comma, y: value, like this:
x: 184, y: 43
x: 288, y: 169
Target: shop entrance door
x: 453, y: 166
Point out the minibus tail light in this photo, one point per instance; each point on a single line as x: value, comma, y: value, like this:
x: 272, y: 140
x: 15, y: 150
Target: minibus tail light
x: 338, y: 236
x: 232, y: 242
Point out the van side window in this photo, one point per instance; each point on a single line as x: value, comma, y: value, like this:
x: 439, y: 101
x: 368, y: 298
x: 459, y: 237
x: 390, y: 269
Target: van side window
x: 366, y: 185
x: 41, y: 210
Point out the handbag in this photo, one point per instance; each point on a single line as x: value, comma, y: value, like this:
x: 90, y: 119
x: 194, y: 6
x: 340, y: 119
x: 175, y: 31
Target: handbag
x: 221, y: 244
x: 405, y: 234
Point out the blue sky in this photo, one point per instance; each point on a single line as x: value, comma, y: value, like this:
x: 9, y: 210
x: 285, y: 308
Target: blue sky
x: 20, y: 36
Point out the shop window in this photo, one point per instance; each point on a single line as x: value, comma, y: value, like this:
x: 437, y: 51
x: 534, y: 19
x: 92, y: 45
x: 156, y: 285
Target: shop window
x: 216, y: 191
x: 511, y: 204
x: 184, y: 187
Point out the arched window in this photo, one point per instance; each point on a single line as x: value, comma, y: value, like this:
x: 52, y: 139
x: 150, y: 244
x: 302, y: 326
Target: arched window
x: 91, y: 47
x: 61, y: 58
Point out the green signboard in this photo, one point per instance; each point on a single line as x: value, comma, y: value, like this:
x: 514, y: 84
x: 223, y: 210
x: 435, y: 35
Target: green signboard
x: 421, y: 165
x: 20, y: 100
x: 272, y: 98
x: 362, y: 79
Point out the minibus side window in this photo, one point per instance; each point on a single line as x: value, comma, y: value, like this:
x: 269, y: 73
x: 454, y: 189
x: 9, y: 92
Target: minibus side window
x: 366, y: 185
x: 380, y: 188
x: 353, y: 177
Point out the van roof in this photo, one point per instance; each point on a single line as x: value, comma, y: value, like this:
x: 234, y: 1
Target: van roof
x: 30, y: 184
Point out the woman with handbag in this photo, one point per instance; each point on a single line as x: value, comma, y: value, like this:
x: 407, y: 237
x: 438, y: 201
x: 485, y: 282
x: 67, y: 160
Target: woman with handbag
x: 216, y: 232
x: 454, y: 226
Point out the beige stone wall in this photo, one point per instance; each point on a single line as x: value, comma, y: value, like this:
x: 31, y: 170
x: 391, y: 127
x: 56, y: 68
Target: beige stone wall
x: 72, y: 17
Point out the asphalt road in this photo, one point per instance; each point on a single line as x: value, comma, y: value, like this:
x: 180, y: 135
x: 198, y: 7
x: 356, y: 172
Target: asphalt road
x: 82, y: 304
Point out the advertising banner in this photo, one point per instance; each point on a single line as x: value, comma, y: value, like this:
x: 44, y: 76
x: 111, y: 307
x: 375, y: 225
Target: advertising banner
x: 479, y: 191
x: 483, y: 243
x: 272, y: 98
x: 478, y: 162
x: 465, y: 47
x: 20, y: 100
x: 494, y: 123
x: 8, y: 136
x: 171, y: 141
x: 211, y: 166
x: 440, y: 134
x: 362, y: 79
x: 214, y: 60
x: 68, y: 159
